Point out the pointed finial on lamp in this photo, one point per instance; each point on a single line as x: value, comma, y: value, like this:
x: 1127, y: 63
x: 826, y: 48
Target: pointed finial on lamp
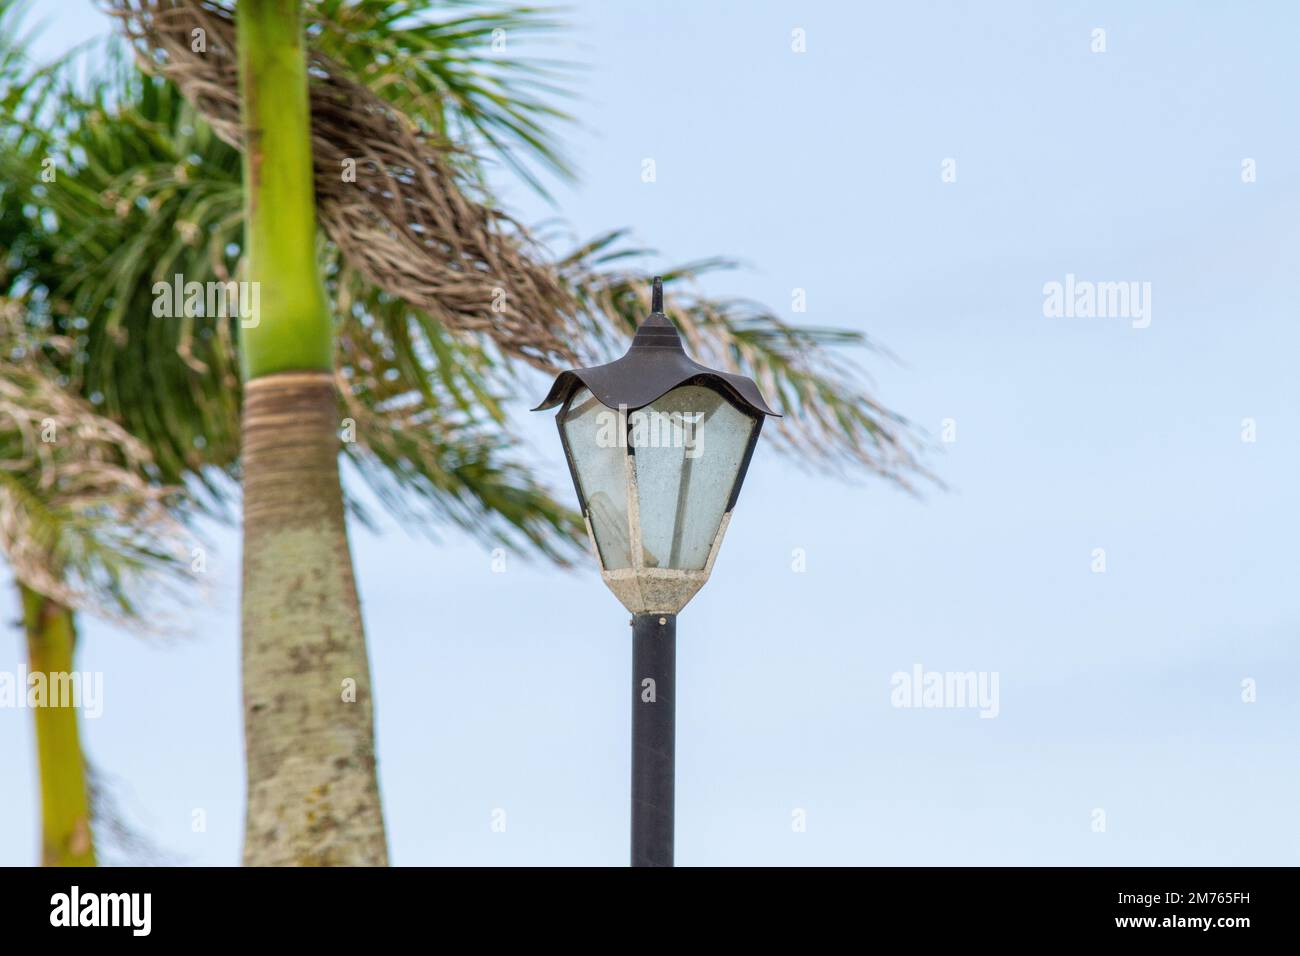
x: 657, y: 296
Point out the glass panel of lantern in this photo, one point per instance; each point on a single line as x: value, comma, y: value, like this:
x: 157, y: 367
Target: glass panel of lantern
x: 596, y: 445
x: 689, y: 447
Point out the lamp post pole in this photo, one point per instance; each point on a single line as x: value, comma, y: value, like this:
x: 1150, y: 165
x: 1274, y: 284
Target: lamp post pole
x: 654, y: 699
x: 656, y: 497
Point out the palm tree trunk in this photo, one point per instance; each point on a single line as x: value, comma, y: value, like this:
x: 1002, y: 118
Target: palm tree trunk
x: 65, y: 795
x: 313, y: 794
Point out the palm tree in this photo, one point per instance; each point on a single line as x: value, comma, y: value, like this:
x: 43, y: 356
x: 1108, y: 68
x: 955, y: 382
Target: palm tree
x: 83, y: 526
x: 141, y: 188
x: 415, y: 254
x: 85, y: 523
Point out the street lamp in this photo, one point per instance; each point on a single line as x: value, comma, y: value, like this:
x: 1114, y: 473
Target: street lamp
x: 658, y: 446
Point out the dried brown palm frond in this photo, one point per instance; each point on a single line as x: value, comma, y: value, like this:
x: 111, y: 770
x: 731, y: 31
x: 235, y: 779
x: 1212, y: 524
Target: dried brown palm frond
x: 80, y: 520
x: 409, y: 222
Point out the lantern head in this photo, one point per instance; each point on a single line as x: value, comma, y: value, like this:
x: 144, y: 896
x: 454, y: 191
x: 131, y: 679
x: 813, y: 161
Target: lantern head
x: 658, y: 446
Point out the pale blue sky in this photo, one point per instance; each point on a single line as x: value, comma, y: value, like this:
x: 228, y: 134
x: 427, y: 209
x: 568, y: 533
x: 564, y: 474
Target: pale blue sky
x: 1119, y: 691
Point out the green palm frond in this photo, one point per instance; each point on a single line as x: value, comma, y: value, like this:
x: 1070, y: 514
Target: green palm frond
x: 127, y: 189
x: 457, y: 68
x: 432, y: 437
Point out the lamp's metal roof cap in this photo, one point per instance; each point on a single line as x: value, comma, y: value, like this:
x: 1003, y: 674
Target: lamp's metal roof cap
x: 654, y: 365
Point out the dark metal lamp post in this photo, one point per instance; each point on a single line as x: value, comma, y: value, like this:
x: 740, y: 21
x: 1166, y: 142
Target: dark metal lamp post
x: 658, y: 446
